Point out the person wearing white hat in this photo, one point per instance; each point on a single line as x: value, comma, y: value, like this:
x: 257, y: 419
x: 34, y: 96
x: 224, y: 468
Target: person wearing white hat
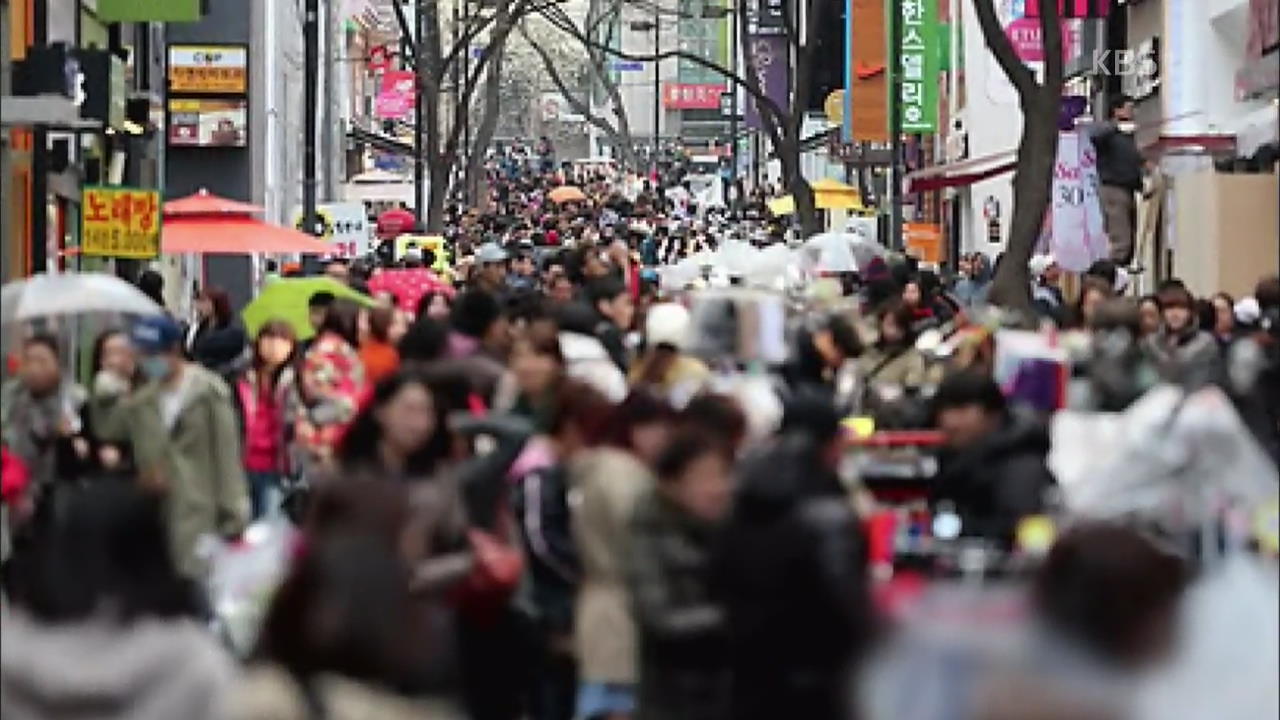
x: 664, y: 366
x: 1046, y: 296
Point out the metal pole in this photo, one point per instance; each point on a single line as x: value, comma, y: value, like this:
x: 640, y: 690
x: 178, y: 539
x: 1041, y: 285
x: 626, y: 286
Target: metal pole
x: 895, y: 125
x: 657, y: 87
x: 466, y: 78
x: 311, y: 71
x: 419, y: 162
x: 733, y: 113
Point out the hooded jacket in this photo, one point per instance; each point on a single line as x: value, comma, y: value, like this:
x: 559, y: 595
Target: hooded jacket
x: 100, y: 670
x: 998, y: 480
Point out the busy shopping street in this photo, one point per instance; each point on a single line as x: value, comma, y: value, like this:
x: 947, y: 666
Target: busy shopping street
x: 640, y: 359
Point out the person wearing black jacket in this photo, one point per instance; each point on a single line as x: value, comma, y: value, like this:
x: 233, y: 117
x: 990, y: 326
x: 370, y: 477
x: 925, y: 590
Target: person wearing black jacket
x: 791, y: 572
x: 1120, y: 174
x: 215, y: 340
x: 993, y: 469
x: 682, y: 630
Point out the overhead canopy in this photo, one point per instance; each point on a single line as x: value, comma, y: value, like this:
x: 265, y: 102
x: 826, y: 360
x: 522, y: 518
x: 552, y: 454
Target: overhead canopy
x: 961, y: 174
x: 205, y: 203
x: 234, y: 235
x: 828, y: 194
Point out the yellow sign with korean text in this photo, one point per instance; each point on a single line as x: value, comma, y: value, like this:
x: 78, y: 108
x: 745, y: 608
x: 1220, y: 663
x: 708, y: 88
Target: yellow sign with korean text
x: 120, y: 222
x: 209, y: 69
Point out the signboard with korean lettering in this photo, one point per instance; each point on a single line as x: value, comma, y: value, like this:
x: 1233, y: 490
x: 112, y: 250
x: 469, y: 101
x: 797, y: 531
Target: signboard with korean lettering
x: 866, y: 98
x: 208, y: 122
x: 345, y: 226
x: 691, y: 96
x: 919, y: 66
x: 923, y: 241
x: 120, y: 222
x: 209, y: 69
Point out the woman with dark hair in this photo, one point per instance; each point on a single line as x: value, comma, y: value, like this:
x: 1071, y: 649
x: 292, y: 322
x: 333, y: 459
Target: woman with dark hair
x: 536, y: 373
x: 1223, y: 326
x: 41, y: 415
x: 267, y: 400
x: 435, y: 305
x: 333, y: 382
x: 101, y: 624
x: 609, y: 480
x: 215, y: 339
x: 116, y: 375
x: 343, y: 639
x: 1183, y: 352
x: 1093, y: 293
x: 893, y: 365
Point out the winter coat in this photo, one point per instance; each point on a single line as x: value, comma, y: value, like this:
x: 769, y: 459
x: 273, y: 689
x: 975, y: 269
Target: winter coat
x: 1190, y: 357
x: 99, y: 670
x: 268, y: 692
x: 898, y: 367
x: 541, y: 506
x: 197, y: 462
x: 106, y: 423
x: 607, y: 482
x: 287, y: 402
x: 791, y: 572
x: 1119, y: 161
x: 684, y: 671
x: 997, y: 481
x: 333, y: 387
x: 31, y: 429
x: 586, y: 359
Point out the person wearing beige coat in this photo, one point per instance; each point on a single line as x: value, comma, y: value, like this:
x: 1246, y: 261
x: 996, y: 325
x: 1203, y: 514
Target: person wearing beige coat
x: 606, y: 485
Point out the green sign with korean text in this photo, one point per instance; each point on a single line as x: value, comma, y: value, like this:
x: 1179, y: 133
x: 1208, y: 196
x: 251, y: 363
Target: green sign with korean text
x: 148, y: 10
x: 919, y: 66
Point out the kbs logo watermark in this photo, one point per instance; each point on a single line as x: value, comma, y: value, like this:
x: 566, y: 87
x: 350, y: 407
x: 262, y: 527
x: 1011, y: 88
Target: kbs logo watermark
x: 1125, y: 63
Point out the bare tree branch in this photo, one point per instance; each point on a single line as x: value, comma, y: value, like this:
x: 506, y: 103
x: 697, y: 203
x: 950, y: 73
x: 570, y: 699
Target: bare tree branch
x: 1002, y: 48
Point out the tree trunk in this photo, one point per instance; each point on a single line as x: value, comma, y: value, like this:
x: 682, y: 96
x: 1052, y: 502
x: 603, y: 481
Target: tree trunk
x: 488, y: 124
x: 437, y: 193
x: 1032, y: 190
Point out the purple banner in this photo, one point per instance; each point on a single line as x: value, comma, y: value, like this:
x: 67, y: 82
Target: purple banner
x: 771, y: 60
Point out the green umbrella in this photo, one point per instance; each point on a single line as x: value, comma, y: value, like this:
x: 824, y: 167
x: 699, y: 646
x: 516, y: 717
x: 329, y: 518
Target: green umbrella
x: 286, y: 299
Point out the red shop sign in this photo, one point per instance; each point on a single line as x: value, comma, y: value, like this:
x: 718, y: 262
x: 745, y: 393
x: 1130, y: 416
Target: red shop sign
x: 691, y: 96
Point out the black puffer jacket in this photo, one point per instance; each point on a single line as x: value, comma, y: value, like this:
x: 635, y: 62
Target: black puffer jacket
x: 999, y: 480
x: 791, y: 573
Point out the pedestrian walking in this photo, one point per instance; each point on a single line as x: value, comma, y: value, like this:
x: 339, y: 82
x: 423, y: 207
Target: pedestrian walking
x: 215, y: 340
x: 683, y: 632
x: 333, y: 383
x: 186, y: 444
x: 267, y: 403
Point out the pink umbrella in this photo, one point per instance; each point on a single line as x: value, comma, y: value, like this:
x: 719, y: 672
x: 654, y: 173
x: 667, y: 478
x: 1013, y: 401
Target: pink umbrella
x: 409, y: 285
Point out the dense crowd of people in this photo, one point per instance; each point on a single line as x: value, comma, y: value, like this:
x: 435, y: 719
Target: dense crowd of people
x: 530, y: 499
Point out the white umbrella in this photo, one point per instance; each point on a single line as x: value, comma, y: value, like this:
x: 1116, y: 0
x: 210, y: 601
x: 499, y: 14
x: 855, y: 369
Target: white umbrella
x: 62, y: 294
x: 841, y: 252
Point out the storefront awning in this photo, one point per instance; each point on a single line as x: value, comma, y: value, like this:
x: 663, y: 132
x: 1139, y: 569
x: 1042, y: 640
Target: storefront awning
x: 381, y: 142
x: 961, y: 174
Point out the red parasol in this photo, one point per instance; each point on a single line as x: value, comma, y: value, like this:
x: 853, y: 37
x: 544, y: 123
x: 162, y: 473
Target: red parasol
x: 205, y: 203
x: 206, y: 223
x: 409, y: 285
x: 395, y: 222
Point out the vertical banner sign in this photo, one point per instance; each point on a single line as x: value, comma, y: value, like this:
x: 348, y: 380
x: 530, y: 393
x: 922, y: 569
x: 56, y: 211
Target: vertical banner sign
x: 771, y: 59
x: 866, y: 97
x: 397, y: 95
x: 1077, y: 236
x: 120, y: 222
x: 919, y: 69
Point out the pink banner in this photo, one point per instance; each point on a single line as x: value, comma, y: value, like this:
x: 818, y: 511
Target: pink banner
x: 397, y: 95
x: 1025, y: 35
